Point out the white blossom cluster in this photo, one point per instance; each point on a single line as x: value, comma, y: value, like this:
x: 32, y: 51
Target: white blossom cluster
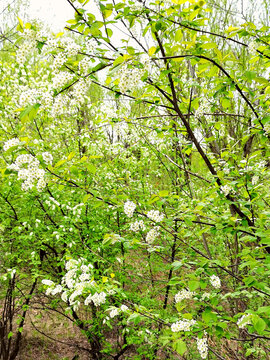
x: 52, y: 202
x: 97, y: 298
x: 107, y: 111
x: 129, y: 78
x: 9, y: 274
x: 182, y: 325
x: 114, y: 312
x: 70, y: 47
x: 23, y: 51
x: 60, y: 79
x: 155, y: 215
x: 47, y: 157
x: 202, y: 346
x: 77, y: 210
x: 47, y: 282
x: 28, y: 97
x: 28, y: 170
x: 255, y: 179
x: 183, y: 294
x: 10, y: 143
x: 46, y: 99
x: 206, y: 296
x: 267, y: 128
x: 59, y: 105
x: 136, y: 6
x: 137, y: 226
x: 76, y: 281
x: 29, y: 34
x: 226, y: 189
x: 252, y: 48
x: 204, y: 108
x: 52, y: 43
x: 79, y: 91
x: 151, y: 235
x: 244, y: 321
x: 90, y: 46
x: 84, y: 66
x: 129, y: 208
x: 124, y: 308
x: 215, y: 281
x: 58, y: 61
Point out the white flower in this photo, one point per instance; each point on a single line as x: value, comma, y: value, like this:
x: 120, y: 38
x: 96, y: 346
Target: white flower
x: 60, y: 79
x: 12, y: 273
x: 255, y: 180
x: 76, y: 305
x: 71, y: 48
x: 84, y: 277
x: 114, y: 312
x: 24, y: 49
x: 206, y: 296
x: 204, y: 108
x: 138, y: 225
x: 97, y: 298
x: 202, y: 346
x: 252, y: 48
x: 129, y: 208
x: 124, y: 308
x: 47, y: 157
x: 71, y: 264
x: 73, y: 296
x: 10, y: 143
x: 155, y: 215
x: 151, y: 235
x: 47, y: 282
x: 69, y: 278
x: 244, y: 321
x: 64, y: 296
x: 136, y: 6
x: 215, y: 281
x: 84, y: 66
x: 182, y: 325
x: 57, y: 290
x: 49, y: 290
x: 267, y: 128
x: 183, y: 294
x: 58, y: 61
x: 84, y: 268
x: 29, y: 171
x: 226, y: 189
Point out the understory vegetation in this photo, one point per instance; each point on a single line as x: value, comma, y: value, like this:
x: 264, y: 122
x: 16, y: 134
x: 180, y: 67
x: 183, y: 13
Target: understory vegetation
x: 134, y: 169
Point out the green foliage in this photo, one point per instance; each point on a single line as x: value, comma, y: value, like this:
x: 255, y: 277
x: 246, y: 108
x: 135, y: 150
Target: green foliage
x: 135, y: 180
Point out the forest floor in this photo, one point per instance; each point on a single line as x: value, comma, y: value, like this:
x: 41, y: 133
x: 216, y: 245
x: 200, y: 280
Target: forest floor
x: 47, y: 337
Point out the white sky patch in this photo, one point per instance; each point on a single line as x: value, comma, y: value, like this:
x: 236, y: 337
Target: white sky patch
x: 54, y: 13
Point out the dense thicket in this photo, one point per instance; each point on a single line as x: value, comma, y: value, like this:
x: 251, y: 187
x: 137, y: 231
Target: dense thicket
x: 135, y: 179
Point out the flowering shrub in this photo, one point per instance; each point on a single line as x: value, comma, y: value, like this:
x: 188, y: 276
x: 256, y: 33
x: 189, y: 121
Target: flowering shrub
x: 135, y: 179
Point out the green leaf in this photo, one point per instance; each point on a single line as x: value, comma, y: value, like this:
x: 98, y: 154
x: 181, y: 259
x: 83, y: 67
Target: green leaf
x: 208, y: 316
x: 86, y: 197
x: 259, y: 324
x: 163, y: 193
x: 91, y: 168
x: 177, y: 265
x: 193, y: 285
x: 60, y: 163
x: 71, y: 155
x: 209, y: 45
x: 180, y: 347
